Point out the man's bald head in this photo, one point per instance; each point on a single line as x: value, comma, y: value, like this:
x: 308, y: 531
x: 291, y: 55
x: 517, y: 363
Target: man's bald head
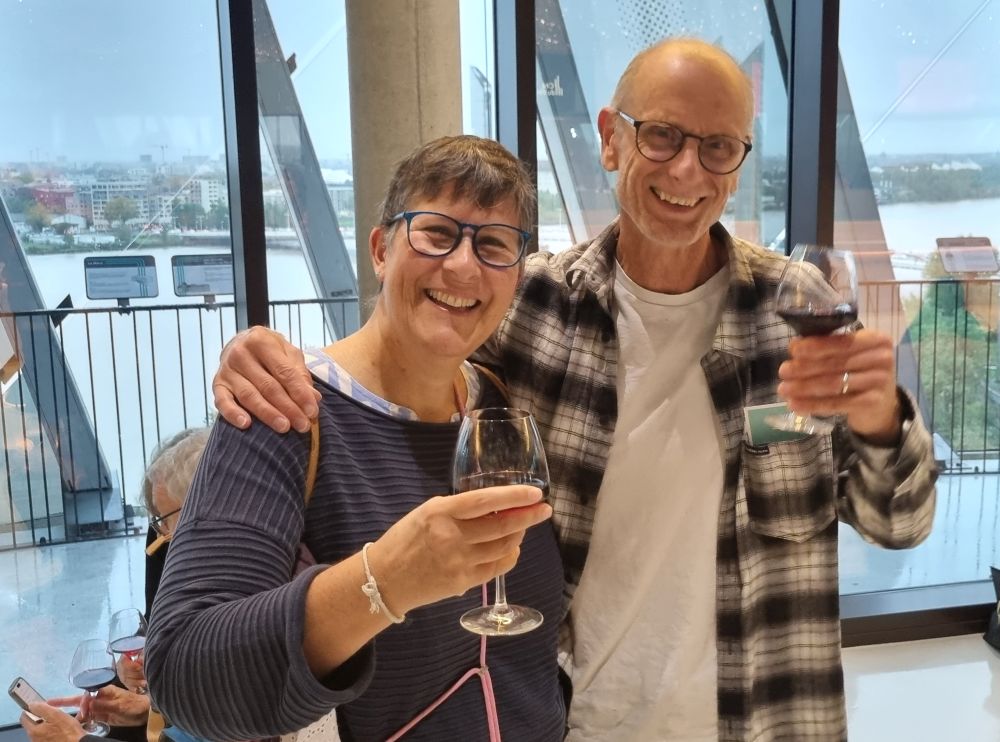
x: 673, y: 51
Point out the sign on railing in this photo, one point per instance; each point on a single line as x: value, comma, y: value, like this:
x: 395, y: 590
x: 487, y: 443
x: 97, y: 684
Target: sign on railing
x: 121, y: 277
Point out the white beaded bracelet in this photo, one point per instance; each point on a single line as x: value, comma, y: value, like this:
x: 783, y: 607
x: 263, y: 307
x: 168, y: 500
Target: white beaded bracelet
x: 370, y: 588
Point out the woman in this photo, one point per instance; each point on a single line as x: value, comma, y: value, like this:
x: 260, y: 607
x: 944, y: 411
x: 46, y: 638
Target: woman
x: 236, y: 649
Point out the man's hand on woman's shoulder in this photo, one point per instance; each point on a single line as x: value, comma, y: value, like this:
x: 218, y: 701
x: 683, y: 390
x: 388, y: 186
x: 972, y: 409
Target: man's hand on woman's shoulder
x: 262, y: 374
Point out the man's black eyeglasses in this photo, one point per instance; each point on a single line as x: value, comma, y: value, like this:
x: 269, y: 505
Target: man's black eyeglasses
x: 660, y: 142
x: 157, y: 522
x: 437, y: 235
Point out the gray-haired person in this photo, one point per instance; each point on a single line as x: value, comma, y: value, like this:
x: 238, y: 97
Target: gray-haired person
x: 164, y: 487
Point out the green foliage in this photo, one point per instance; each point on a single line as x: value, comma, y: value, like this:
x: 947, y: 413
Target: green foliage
x: 38, y: 216
x: 120, y: 209
x: 188, y: 216
x: 218, y: 216
x: 959, y: 363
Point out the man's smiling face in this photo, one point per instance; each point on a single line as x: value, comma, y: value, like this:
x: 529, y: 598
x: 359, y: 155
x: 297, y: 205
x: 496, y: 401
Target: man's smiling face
x: 672, y: 205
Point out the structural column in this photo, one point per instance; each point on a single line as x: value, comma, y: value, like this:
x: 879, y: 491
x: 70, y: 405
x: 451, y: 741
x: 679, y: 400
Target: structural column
x: 406, y: 89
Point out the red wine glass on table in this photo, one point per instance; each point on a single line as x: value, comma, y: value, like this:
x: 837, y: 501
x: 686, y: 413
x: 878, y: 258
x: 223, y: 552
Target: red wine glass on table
x: 90, y: 670
x: 127, y: 638
x: 817, y: 295
x: 499, y: 446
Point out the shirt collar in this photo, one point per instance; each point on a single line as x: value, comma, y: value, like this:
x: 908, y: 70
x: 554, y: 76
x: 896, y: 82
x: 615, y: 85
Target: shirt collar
x: 593, y: 270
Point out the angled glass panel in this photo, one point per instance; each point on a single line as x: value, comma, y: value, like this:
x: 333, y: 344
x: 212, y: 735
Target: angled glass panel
x: 918, y: 199
x: 115, y: 283
x: 302, y: 85
x: 584, y: 46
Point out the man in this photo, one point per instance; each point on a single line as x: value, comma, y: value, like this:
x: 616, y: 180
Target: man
x: 702, y: 570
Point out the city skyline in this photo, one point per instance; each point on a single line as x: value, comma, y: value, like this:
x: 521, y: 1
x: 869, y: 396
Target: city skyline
x: 111, y: 81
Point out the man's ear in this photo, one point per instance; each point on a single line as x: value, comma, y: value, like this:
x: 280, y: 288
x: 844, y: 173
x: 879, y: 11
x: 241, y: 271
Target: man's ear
x: 378, y: 247
x: 606, y: 122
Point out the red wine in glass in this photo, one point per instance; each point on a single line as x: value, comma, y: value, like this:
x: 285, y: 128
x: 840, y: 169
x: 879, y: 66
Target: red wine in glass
x: 807, y: 322
x: 816, y: 295
x: 127, y: 636
x: 94, y: 679
x: 499, y: 446
x: 91, y: 668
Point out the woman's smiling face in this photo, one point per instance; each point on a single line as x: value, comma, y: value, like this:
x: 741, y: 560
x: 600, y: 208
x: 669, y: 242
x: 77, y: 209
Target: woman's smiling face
x: 445, y: 306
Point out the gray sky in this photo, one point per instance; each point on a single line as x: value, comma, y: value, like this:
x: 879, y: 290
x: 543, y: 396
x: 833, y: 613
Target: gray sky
x: 113, y: 79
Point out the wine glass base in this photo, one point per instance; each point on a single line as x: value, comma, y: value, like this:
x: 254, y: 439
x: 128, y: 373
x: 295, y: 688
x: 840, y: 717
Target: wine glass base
x: 96, y: 728
x: 488, y: 621
x: 803, y: 424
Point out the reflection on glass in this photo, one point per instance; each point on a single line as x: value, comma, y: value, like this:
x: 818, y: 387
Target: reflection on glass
x: 917, y: 169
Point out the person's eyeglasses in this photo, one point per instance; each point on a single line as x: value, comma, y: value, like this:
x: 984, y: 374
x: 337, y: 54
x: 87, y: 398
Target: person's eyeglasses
x: 437, y: 235
x: 158, y: 522
x: 660, y: 142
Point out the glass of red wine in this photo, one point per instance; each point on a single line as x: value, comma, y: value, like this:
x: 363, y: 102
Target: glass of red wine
x: 498, y: 446
x: 127, y: 638
x: 90, y: 670
x: 817, y: 295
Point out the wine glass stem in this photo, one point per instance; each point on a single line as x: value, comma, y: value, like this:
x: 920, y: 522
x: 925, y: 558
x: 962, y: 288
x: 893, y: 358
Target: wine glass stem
x: 90, y: 725
x: 500, y: 600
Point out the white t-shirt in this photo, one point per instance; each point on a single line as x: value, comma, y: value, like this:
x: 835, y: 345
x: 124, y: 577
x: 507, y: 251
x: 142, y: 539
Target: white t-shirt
x: 643, y: 616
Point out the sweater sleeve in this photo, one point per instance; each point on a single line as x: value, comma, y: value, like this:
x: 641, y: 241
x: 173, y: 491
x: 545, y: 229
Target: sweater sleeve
x: 224, y: 657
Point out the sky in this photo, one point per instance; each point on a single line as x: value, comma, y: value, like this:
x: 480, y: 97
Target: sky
x: 110, y: 80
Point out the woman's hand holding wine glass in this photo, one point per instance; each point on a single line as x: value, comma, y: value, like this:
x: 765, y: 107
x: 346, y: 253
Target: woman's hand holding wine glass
x: 450, y: 544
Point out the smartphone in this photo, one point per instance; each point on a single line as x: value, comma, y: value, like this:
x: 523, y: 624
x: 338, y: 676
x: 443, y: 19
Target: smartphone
x: 23, y: 694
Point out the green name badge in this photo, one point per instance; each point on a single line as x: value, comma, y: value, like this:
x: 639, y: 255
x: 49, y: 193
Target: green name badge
x: 758, y: 432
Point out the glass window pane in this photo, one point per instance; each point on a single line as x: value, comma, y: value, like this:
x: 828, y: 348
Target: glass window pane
x: 307, y: 170
x: 918, y: 199
x: 116, y: 267
x: 584, y: 46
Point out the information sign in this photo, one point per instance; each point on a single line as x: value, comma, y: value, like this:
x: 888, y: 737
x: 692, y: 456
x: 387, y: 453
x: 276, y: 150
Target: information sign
x: 121, y: 277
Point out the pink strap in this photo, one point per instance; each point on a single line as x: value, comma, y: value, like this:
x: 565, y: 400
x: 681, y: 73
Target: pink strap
x: 492, y: 719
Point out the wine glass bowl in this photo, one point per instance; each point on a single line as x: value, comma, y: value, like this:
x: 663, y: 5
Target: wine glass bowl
x: 91, y: 668
x: 499, y: 446
x: 127, y: 637
x: 816, y: 295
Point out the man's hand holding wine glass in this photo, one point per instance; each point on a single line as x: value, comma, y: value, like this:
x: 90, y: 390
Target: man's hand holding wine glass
x: 813, y: 381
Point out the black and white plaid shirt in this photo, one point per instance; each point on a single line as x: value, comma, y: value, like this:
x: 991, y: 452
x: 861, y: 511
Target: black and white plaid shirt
x: 778, y: 624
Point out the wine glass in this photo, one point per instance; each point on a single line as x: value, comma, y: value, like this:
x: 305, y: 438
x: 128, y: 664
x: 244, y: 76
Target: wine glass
x: 91, y: 669
x: 498, y: 446
x: 128, y: 637
x: 817, y: 295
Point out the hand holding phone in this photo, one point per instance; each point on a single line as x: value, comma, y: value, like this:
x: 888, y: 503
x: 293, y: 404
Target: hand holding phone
x: 23, y: 693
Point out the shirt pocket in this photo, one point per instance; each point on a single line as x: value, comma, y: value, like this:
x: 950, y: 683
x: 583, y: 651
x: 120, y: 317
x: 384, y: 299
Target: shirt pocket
x: 790, y: 487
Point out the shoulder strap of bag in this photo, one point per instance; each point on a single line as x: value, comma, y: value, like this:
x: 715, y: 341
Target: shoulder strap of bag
x: 313, y: 460
x: 495, y: 380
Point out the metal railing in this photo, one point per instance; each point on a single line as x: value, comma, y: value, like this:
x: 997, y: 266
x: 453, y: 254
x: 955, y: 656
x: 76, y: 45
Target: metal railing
x: 143, y: 373
x: 948, y: 354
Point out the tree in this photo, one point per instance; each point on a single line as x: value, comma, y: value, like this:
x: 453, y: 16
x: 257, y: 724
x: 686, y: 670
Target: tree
x: 188, y: 216
x: 120, y: 210
x: 957, y: 353
x: 218, y: 216
x: 38, y: 216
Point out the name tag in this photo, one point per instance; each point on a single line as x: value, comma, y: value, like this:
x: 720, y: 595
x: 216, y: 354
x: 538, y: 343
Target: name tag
x: 758, y: 432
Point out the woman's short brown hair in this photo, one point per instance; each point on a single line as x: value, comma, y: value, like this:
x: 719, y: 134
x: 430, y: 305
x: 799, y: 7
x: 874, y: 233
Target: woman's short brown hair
x: 472, y: 168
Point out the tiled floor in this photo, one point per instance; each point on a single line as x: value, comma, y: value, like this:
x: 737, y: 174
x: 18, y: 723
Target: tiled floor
x: 52, y: 597
x: 937, y: 690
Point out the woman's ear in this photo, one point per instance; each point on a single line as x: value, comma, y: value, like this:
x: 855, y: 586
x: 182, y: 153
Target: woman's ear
x: 378, y: 247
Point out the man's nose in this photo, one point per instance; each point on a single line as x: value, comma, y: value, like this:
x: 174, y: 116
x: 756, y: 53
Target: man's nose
x: 687, y: 160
